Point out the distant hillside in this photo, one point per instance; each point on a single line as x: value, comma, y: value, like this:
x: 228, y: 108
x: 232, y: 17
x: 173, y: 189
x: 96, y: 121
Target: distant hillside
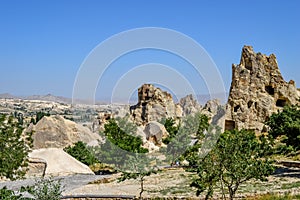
x: 7, y: 96
x: 202, y: 99
x: 48, y: 97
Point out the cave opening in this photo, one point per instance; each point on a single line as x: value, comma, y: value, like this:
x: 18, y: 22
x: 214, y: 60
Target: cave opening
x: 229, y: 125
x: 236, y: 108
x: 280, y: 102
x: 270, y: 90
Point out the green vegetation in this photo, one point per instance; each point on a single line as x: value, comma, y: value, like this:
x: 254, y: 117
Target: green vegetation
x: 14, y: 147
x: 138, y: 167
x: 180, y: 136
x: 38, y: 116
x: 7, y: 194
x: 44, y: 189
x: 285, y: 126
x: 237, y: 157
x: 81, y: 152
x: 172, y: 129
x: 120, y: 142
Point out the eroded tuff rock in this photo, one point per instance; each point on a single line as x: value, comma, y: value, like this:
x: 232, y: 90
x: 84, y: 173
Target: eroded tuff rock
x: 189, y: 105
x: 59, y: 163
x: 155, y: 132
x: 153, y: 105
x: 55, y: 131
x: 257, y: 90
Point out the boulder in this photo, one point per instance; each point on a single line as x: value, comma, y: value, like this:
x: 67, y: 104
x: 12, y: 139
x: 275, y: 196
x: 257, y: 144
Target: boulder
x: 59, y: 163
x: 257, y: 90
x: 155, y: 132
x: 36, y: 167
x: 58, y: 132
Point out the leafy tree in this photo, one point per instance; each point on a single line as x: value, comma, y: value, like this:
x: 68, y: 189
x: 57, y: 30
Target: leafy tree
x: 196, y: 124
x: 14, y: 147
x: 180, y: 144
x: 81, y: 152
x: 286, y: 124
x: 237, y: 157
x: 120, y: 142
x: 138, y: 167
x: 126, y: 141
x: 172, y: 129
x: 39, y: 115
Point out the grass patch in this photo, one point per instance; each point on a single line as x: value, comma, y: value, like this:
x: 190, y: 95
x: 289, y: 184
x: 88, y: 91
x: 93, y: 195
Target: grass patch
x: 290, y: 185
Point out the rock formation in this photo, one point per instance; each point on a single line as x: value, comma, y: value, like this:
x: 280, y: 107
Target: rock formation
x: 153, y: 105
x: 189, y: 105
x: 155, y: 133
x: 257, y: 90
x: 55, y: 131
x: 59, y: 163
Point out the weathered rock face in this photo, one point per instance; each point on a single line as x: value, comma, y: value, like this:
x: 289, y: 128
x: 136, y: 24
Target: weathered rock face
x: 189, y: 105
x: 55, y: 131
x: 153, y: 105
x: 155, y: 132
x: 257, y: 90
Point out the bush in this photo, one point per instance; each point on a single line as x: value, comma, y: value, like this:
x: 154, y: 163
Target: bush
x: 6, y: 194
x: 45, y: 189
x: 81, y: 152
x: 286, y: 125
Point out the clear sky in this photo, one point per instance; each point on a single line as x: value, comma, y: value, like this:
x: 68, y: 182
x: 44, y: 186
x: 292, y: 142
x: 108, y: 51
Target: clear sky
x: 43, y: 43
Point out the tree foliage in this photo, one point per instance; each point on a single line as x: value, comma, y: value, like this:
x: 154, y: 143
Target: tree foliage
x: 237, y: 157
x: 14, y: 148
x: 286, y: 124
x: 138, y: 166
x: 81, y: 152
x: 121, y: 140
x: 126, y: 141
x: 180, y: 136
x: 172, y: 129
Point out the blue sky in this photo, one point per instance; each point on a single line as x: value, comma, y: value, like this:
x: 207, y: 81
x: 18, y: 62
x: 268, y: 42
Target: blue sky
x: 43, y: 43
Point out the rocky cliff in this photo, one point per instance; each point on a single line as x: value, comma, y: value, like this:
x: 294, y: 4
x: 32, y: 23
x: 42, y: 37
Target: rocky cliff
x: 257, y: 90
x: 153, y: 105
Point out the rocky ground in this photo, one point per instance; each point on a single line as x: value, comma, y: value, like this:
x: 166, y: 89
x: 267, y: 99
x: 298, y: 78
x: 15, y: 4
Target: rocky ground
x: 168, y: 183
x: 175, y: 183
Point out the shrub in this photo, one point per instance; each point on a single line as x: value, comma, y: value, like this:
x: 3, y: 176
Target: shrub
x: 81, y: 152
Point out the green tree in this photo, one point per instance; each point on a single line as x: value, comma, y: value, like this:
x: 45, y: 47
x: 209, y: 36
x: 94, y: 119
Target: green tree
x: 138, y: 166
x: 180, y: 145
x: 81, y: 152
x: 126, y: 141
x: 172, y: 129
x: 237, y: 157
x: 14, y: 147
x: 39, y: 115
x: 286, y: 123
x: 121, y: 140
